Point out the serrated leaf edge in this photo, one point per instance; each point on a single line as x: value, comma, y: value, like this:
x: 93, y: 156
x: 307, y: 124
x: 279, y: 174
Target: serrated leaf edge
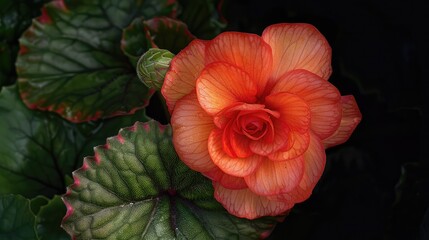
x: 97, y: 160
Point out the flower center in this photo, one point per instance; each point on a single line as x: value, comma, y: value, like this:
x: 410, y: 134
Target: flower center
x: 243, y: 124
x: 253, y: 127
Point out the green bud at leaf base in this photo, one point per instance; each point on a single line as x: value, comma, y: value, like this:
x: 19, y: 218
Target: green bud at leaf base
x: 152, y: 67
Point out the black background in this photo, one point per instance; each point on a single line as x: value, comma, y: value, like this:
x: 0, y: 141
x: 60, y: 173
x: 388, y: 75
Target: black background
x: 375, y: 186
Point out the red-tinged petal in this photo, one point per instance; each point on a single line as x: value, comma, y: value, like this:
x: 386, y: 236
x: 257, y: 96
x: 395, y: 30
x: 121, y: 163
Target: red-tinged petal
x: 272, y: 142
x: 191, y: 129
x: 238, y: 167
x: 351, y: 117
x: 234, y: 144
x: 298, y: 144
x: 254, y: 125
x: 246, y: 51
x: 185, y: 68
x: 293, y: 110
x: 276, y: 177
x: 314, y: 164
x: 223, y: 117
x: 314, y: 160
x: 246, y: 204
x: 325, y: 119
x: 298, y: 46
x: 225, y: 180
x: 221, y: 85
x: 323, y: 99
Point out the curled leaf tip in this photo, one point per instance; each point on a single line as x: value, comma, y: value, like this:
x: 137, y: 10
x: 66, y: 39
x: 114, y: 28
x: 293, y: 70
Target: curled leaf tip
x: 152, y: 67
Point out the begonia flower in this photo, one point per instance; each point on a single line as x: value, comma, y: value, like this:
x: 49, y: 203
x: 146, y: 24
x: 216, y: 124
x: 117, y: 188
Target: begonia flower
x: 255, y: 113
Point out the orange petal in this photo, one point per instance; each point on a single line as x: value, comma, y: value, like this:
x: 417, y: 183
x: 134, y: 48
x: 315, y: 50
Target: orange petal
x: 235, y: 145
x: 297, y: 145
x: 185, y: 68
x: 191, y: 129
x: 293, y: 110
x: 246, y: 51
x: 314, y: 160
x: 314, y: 163
x: 221, y: 85
x: 298, y: 46
x: 276, y: 177
x: 238, y: 167
x: 270, y: 144
x: 351, y: 117
x: 255, y: 125
x: 225, y: 180
x: 222, y: 118
x: 322, y: 97
x: 246, y: 204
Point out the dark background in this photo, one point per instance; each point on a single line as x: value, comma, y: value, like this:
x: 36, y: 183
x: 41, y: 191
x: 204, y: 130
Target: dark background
x: 375, y: 186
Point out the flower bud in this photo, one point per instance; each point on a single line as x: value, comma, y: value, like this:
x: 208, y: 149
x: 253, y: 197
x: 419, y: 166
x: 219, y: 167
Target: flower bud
x: 152, y: 67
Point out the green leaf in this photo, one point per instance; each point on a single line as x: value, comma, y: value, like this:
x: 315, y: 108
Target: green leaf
x: 70, y: 59
x: 15, y: 17
x: 49, y: 219
x: 16, y: 219
x: 135, y: 187
x: 156, y: 8
x: 202, y: 17
x: 158, y: 32
x: 37, y: 149
x: 37, y: 202
x: 136, y: 40
x: 38, y: 218
x: 168, y: 33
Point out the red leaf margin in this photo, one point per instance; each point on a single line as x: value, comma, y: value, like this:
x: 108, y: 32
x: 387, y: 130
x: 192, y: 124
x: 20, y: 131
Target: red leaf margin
x: 96, y: 159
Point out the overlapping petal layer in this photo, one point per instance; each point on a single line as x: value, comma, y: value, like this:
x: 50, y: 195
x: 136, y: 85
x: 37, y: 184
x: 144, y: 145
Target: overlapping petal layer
x: 272, y: 178
x: 221, y: 85
x: 294, y: 111
x: 185, y: 68
x: 297, y: 145
x: 268, y: 144
x: 314, y: 160
x: 234, y: 166
x: 245, y: 51
x: 322, y: 97
x: 235, y: 144
x: 351, y: 117
x: 246, y: 204
x: 298, y: 46
x: 226, y: 180
x: 192, y: 127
